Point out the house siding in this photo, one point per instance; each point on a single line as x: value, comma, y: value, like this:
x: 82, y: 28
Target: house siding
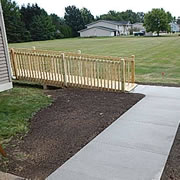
x: 5, y: 74
x: 95, y: 32
x: 121, y: 29
x: 139, y: 26
x: 125, y: 29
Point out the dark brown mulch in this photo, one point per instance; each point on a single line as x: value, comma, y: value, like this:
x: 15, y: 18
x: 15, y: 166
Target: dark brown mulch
x: 59, y: 131
x: 172, y: 168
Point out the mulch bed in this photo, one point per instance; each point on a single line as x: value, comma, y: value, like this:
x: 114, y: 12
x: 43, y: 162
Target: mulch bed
x: 62, y: 129
x: 172, y: 168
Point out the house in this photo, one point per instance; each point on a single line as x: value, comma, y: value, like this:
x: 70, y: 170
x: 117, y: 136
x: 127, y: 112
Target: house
x: 5, y: 70
x: 139, y: 30
x: 138, y: 27
x: 174, y: 27
x: 106, y: 28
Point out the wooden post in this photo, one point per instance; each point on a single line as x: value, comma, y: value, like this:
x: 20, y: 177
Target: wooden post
x: 79, y: 51
x: 2, y: 151
x: 45, y: 87
x: 14, y: 63
x: 133, y: 69
x: 64, y: 65
x: 122, y: 75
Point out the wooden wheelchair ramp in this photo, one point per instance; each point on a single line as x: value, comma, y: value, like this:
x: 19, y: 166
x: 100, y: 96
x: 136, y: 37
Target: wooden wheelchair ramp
x: 73, y: 70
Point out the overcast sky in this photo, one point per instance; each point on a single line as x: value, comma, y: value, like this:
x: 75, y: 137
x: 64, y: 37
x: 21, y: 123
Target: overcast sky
x: 98, y: 7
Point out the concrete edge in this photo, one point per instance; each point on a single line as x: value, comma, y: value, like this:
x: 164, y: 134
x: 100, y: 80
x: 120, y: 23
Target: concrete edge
x: 7, y: 176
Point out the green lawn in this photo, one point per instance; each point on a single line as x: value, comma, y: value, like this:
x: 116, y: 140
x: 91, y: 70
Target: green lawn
x: 154, y: 55
x: 17, y: 106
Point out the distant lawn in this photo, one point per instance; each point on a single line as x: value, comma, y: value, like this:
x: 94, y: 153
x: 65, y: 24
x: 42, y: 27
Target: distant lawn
x: 17, y: 106
x: 154, y: 55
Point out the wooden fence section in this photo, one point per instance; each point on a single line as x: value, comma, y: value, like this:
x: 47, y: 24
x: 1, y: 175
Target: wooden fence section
x: 73, y: 69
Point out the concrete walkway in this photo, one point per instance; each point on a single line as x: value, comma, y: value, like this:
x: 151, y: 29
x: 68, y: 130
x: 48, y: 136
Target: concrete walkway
x: 135, y: 147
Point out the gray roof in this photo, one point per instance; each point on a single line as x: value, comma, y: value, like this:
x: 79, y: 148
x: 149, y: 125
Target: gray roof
x: 111, y: 22
x: 99, y: 27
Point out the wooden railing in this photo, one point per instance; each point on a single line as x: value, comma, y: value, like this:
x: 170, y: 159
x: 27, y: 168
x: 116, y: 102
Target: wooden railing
x: 73, y: 69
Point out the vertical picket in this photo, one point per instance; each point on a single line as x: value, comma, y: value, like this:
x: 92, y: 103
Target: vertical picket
x: 133, y: 69
x: 123, y: 75
x: 64, y: 69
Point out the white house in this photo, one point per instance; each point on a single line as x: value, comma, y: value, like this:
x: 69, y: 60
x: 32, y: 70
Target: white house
x: 5, y: 70
x: 174, y: 27
x: 106, y: 28
x: 138, y: 27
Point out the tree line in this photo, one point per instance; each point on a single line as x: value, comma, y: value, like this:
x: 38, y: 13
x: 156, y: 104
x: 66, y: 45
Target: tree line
x: 32, y: 23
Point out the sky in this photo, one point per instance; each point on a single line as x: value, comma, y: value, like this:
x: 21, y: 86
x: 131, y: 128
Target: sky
x: 98, y: 7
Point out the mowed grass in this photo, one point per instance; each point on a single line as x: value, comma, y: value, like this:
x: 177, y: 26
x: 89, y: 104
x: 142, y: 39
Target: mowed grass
x: 155, y: 56
x: 17, y: 106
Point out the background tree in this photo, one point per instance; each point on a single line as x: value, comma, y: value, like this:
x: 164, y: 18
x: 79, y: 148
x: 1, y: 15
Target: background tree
x: 62, y: 29
x: 157, y: 20
x: 57, y: 22
x: 29, y: 12
x: 111, y: 15
x: 141, y: 16
x: 128, y: 15
x: 74, y: 19
x: 15, y: 28
x: 66, y: 31
x: 131, y: 16
x: 42, y: 28
x: 38, y: 22
x: 86, y: 16
x: 77, y: 18
x: 170, y: 17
